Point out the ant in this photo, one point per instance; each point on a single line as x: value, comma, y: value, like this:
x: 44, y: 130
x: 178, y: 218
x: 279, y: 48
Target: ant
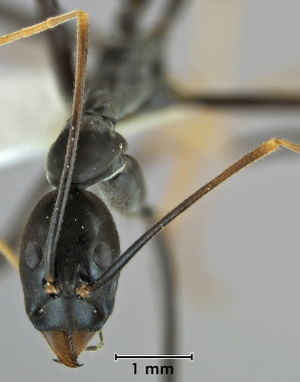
x: 70, y: 255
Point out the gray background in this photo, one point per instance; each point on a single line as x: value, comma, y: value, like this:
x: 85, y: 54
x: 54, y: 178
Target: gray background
x: 236, y: 252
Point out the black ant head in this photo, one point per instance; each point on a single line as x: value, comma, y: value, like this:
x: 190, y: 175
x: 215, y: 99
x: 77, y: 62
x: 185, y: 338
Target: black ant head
x: 65, y: 311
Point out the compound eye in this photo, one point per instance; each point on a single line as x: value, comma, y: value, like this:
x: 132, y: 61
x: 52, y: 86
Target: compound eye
x: 33, y: 255
x: 103, y: 256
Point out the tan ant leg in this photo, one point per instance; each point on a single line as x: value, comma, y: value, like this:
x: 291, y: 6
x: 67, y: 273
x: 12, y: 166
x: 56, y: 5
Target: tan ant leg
x: 9, y: 254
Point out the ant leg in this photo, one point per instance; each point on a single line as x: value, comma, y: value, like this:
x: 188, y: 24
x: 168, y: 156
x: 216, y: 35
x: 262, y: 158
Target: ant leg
x: 166, y: 268
x: 132, y: 10
x: 261, y: 151
x: 61, y: 50
x: 9, y: 254
x: 170, y: 12
x: 128, y: 18
x: 242, y: 100
x: 164, y: 94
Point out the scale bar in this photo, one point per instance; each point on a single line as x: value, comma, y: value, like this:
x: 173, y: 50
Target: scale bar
x: 152, y: 356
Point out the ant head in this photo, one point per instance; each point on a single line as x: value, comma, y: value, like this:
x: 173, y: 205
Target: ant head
x: 66, y: 316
